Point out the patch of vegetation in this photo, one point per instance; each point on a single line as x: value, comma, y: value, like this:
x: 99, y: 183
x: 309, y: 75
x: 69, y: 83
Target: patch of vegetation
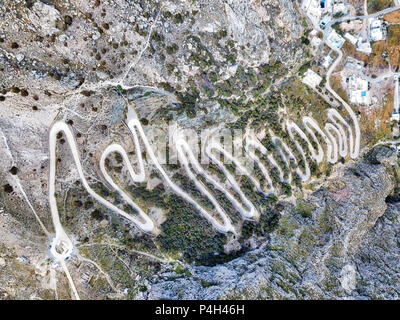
x: 206, y: 284
x: 304, y: 209
x: 267, y: 223
x: 378, y: 5
x: 187, y: 232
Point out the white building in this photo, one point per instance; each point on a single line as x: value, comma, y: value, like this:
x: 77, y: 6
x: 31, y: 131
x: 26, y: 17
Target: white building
x: 377, y: 31
x: 396, y: 108
x: 359, y: 90
x: 316, y: 8
x: 352, y: 39
x: 311, y: 78
x: 363, y: 45
x: 335, y: 39
x: 315, y: 42
x: 327, y: 61
x: 340, y: 7
x: 354, y: 64
x: 315, y: 39
x: 395, y: 116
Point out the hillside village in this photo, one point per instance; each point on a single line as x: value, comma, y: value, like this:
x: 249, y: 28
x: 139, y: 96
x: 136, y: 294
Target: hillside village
x: 367, y: 34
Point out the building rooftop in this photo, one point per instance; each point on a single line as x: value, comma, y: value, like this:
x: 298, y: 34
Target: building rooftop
x: 335, y: 39
x: 354, y: 64
x: 340, y: 7
x: 352, y: 39
x: 315, y: 41
x: 364, y: 46
x: 311, y: 78
x: 359, y: 90
x: 327, y: 61
x: 395, y: 116
x: 377, y: 31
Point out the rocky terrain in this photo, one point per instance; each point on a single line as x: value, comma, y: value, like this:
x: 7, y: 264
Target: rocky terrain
x: 341, y: 244
x: 196, y: 65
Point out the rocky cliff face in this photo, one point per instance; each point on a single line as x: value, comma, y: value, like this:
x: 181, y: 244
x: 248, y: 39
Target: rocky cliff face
x: 341, y: 243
